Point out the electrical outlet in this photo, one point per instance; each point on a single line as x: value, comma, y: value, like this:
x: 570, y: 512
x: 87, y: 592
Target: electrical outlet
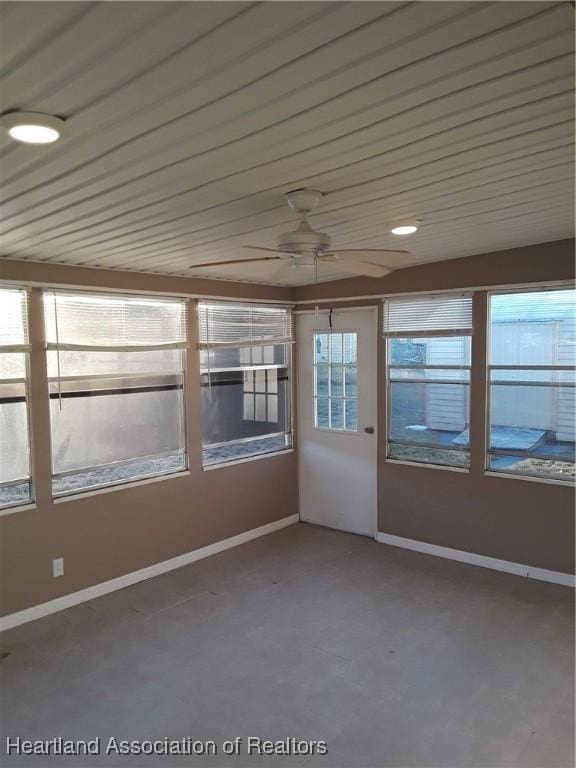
x: 58, y: 567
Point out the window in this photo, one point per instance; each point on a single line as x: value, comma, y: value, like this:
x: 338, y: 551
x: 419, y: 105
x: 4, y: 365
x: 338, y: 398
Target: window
x: 245, y: 361
x: 15, y: 479
x: 116, y: 377
x: 532, y: 348
x: 335, y: 381
x: 428, y: 378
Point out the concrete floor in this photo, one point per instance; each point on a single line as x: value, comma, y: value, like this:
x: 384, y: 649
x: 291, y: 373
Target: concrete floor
x: 392, y: 657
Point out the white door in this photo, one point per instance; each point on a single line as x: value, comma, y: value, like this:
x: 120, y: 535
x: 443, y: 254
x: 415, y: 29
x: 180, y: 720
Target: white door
x: 337, y: 417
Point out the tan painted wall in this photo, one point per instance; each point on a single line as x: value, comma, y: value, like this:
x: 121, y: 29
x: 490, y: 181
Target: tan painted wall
x: 107, y: 535
x: 533, y: 263
x: 111, y: 534
x: 512, y: 519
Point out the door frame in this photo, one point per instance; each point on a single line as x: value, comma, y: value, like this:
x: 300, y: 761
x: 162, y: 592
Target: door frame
x: 374, y: 309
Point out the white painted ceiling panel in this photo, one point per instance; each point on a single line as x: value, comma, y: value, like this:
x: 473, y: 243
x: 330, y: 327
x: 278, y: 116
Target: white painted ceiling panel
x: 186, y: 123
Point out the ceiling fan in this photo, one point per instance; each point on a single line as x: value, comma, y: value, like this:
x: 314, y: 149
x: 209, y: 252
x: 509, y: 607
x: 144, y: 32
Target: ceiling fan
x: 305, y: 248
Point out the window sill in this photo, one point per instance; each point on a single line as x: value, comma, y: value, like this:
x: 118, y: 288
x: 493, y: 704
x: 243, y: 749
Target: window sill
x: 462, y: 470
x: 222, y: 464
x: 18, y: 508
x: 118, y: 487
x: 530, y: 479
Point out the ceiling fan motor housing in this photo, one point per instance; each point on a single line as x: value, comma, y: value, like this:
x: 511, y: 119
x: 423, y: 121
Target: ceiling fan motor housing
x: 304, y: 240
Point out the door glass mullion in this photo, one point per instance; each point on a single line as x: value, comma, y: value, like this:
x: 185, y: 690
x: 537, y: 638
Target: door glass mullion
x: 336, y: 383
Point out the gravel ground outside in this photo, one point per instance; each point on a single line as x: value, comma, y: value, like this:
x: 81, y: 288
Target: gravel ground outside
x: 559, y: 469
x: 440, y: 456
x: 233, y: 451
x: 15, y: 495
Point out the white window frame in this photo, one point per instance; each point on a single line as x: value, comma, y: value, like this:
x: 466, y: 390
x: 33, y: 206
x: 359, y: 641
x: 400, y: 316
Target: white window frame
x: 208, y: 345
x: 488, y: 470
x: 146, y: 380
x: 24, y: 349
x: 421, y: 366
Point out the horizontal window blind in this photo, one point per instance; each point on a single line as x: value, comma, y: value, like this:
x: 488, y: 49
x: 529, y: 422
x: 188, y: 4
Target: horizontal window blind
x: 231, y: 324
x: 101, y: 322
x: 14, y: 326
x: 432, y: 315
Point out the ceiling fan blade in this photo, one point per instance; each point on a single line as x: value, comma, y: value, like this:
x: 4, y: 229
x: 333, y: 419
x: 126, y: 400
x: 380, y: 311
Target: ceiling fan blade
x: 392, y: 259
x: 344, y: 264
x: 382, y: 251
x: 285, y: 270
x: 232, y: 261
x: 382, y: 256
x: 259, y: 248
x: 278, y: 252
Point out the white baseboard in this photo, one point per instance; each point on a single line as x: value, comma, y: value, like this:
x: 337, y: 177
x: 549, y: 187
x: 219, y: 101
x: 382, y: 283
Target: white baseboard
x: 74, y: 598
x: 519, y: 569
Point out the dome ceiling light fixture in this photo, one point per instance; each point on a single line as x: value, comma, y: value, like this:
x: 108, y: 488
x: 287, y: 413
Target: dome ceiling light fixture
x: 405, y: 227
x: 32, y: 127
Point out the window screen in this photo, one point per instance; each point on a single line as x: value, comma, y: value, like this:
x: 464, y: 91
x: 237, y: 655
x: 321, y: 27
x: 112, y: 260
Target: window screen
x: 15, y: 475
x: 116, y: 378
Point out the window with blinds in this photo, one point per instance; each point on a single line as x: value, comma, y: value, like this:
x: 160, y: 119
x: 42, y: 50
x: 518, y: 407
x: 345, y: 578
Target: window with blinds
x: 116, y: 377
x: 245, y: 364
x: 428, y: 341
x: 15, y: 474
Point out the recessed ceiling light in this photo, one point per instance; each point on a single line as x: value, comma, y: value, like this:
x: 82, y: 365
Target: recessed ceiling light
x: 404, y: 229
x: 32, y: 127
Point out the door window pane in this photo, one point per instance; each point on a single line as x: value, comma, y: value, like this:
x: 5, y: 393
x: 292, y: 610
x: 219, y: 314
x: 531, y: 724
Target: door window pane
x: 323, y: 412
x: 322, y: 380
x: 351, y: 415
x: 350, y: 351
x: 336, y: 347
x: 351, y: 381
x: 321, y: 347
x: 336, y: 381
x: 335, y: 384
x: 337, y: 413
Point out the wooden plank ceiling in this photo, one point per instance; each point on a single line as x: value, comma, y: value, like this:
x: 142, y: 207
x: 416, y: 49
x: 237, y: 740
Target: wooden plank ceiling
x: 187, y: 122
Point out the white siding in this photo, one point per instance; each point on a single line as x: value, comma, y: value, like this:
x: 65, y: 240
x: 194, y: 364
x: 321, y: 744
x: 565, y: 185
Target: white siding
x: 446, y: 404
x: 524, y: 406
x: 537, y: 407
